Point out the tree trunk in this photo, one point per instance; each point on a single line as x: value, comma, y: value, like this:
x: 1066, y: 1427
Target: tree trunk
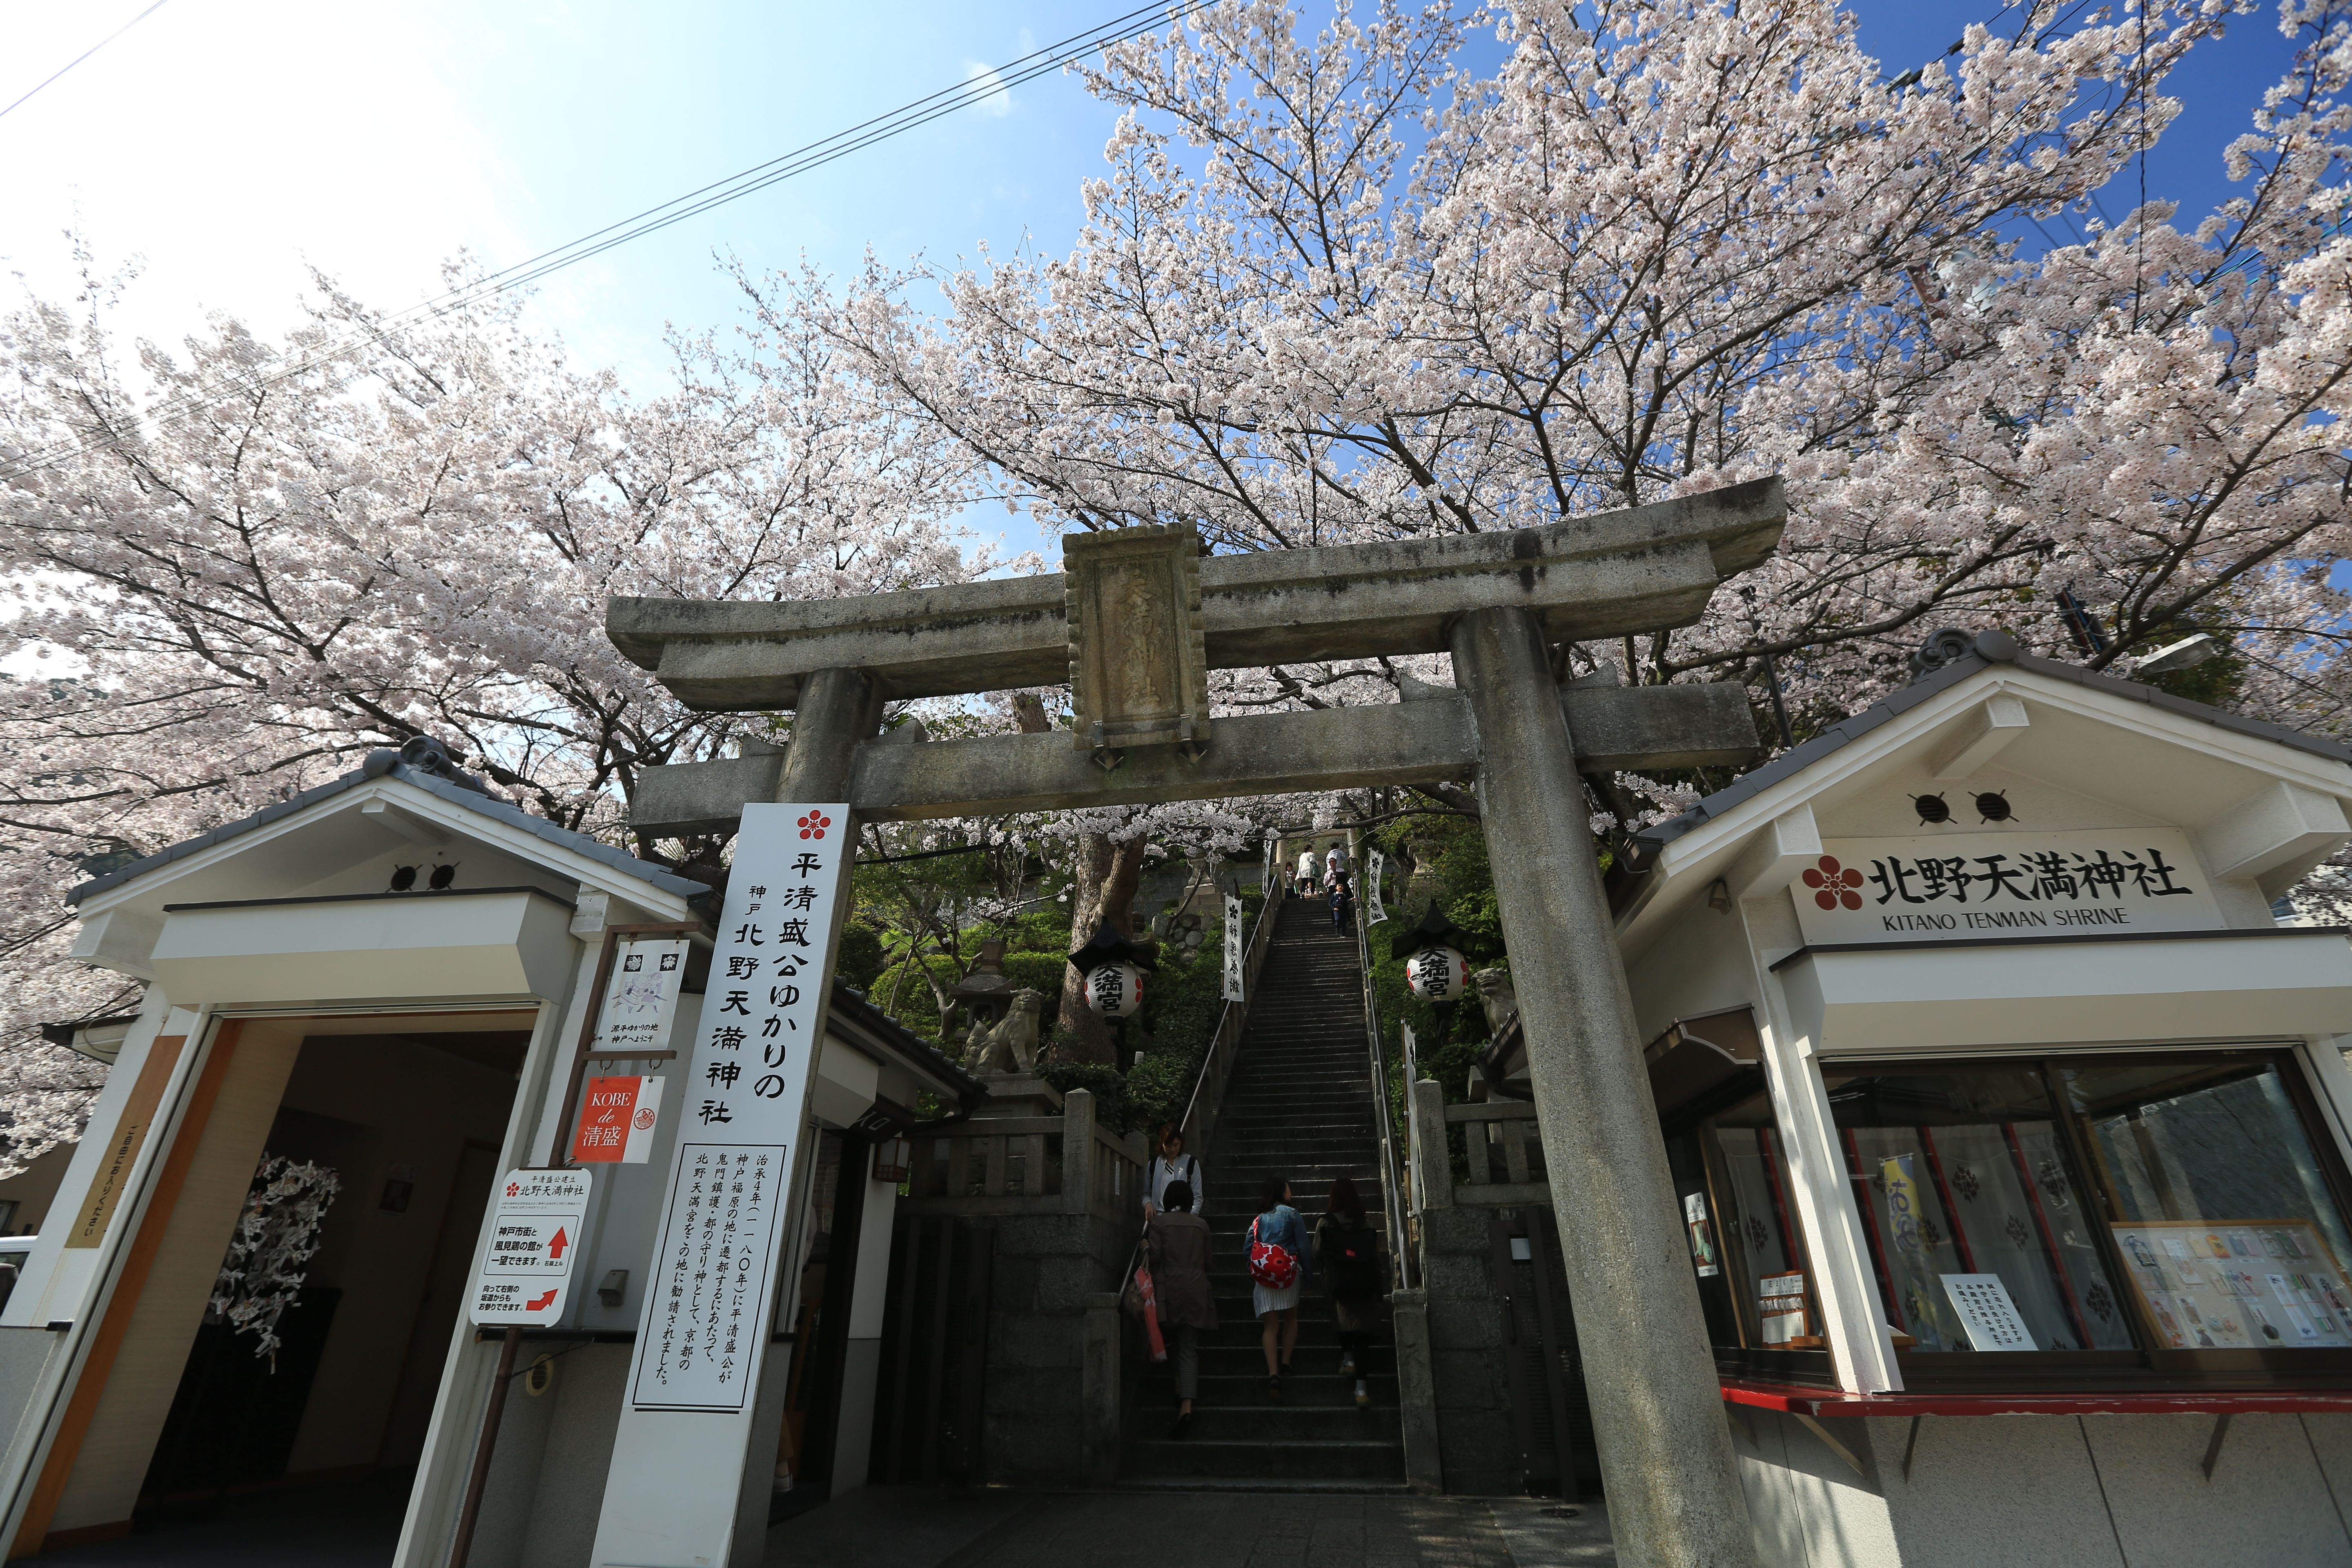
x: 1102, y: 891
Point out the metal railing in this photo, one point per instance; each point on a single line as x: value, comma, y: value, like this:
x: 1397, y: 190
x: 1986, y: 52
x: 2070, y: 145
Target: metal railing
x: 1393, y: 1189
x: 1200, y: 1123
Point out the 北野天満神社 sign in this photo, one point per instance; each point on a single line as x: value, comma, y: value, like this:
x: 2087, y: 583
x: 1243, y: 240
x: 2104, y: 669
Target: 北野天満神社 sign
x: 1961, y: 885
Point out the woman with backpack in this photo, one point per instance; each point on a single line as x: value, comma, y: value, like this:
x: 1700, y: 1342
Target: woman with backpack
x: 1348, y: 1251
x: 1279, y: 1262
x: 1177, y: 1242
x: 1169, y: 1166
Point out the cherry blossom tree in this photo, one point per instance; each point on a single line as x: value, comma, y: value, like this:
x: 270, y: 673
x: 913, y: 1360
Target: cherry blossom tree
x: 1343, y: 287
x: 250, y: 563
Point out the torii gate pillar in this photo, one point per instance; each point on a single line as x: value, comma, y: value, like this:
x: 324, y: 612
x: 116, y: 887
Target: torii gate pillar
x: 1649, y: 1372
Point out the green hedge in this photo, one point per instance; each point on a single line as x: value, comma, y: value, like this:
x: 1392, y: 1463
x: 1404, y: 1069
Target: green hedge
x: 1443, y: 1049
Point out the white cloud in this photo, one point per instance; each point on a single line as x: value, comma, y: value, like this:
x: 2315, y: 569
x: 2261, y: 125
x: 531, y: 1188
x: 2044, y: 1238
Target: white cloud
x: 997, y: 103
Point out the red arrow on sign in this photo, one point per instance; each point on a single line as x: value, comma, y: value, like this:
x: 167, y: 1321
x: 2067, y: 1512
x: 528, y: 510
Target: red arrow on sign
x: 542, y: 1304
x: 555, y: 1248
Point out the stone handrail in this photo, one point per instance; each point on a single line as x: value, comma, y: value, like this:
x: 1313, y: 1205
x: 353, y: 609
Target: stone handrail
x: 1068, y: 1163
x: 1505, y: 1154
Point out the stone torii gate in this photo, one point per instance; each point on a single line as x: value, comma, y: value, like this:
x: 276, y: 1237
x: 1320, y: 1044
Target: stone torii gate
x: 1134, y: 624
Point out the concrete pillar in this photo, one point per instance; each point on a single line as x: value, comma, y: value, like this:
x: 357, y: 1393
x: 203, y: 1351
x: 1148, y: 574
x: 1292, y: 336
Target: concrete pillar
x: 1078, y: 1152
x: 1657, y: 1412
x: 838, y: 707
x: 1433, y: 1166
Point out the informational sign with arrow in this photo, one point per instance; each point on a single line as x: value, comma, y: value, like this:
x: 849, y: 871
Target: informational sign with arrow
x: 526, y: 1270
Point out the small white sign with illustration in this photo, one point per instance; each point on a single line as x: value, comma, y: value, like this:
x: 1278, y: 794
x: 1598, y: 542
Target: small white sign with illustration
x: 1956, y: 886
x: 643, y: 997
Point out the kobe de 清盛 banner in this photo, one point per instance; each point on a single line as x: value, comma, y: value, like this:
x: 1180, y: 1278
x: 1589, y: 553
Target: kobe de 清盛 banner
x: 710, y: 1286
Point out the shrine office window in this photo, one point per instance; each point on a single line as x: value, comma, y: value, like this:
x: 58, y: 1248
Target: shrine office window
x: 2142, y: 1217
x: 1731, y: 1186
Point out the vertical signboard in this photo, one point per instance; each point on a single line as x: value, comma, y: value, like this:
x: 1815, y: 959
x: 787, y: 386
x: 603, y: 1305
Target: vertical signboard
x: 1233, y: 947
x: 1373, y: 913
x: 679, y: 1455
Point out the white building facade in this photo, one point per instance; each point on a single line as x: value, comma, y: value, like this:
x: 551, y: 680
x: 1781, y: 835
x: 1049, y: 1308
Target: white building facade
x: 2008, y: 1122
x: 391, y: 976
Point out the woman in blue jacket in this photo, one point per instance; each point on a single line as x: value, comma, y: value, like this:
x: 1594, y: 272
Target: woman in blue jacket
x: 1278, y: 1227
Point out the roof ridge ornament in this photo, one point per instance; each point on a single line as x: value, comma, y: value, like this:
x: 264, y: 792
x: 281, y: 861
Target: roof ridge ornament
x: 1952, y: 644
x: 427, y: 755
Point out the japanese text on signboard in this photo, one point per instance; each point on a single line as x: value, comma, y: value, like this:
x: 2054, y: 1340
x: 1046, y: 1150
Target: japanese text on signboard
x: 1992, y: 883
x: 710, y: 1278
x: 758, y: 1024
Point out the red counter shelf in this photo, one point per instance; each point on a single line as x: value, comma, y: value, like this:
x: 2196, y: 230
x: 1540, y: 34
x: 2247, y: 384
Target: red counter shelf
x: 1797, y: 1399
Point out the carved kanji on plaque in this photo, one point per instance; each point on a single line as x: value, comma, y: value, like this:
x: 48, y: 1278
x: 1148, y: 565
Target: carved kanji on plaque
x: 1139, y: 670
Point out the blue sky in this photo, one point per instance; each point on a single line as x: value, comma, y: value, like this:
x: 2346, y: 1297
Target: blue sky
x: 227, y: 142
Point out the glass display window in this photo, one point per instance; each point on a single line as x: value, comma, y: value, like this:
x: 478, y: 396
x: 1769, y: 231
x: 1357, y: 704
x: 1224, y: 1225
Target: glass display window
x: 1730, y: 1171
x: 2219, y: 1201
x: 1973, y: 1210
x: 2178, y: 1215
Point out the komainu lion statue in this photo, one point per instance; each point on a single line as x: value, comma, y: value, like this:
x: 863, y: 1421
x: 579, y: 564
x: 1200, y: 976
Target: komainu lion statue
x: 1496, y: 997
x: 1010, y: 1045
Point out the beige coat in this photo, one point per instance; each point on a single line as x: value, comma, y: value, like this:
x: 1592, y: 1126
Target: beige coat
x: 1178, y: 1247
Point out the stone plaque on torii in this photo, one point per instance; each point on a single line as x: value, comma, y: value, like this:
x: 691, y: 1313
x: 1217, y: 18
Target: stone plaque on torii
x: 1134, y: 623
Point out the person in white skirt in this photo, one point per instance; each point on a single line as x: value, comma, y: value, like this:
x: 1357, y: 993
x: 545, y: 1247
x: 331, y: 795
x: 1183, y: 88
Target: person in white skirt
x: 1279, y: 1257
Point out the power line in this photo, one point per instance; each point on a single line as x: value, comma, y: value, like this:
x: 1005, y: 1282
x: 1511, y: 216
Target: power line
x: 91, y: 50
x: 758, y: 177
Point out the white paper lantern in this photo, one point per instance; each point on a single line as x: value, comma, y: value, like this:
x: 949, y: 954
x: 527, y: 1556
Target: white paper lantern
x: 1437, y: 974
x: 1115, y: 990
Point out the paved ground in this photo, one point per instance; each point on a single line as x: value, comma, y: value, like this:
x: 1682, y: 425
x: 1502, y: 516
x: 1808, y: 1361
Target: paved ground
x: 355, y: 1525
x: 337, y: 1524
x: 891, y: 1527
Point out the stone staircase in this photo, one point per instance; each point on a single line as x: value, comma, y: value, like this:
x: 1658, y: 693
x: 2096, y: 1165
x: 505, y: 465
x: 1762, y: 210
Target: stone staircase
x: 1300, y: 1106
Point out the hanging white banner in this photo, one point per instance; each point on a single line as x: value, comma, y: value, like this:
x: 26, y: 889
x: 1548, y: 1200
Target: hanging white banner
x: 1233, y: 948
x: 675, y: 1489
x: 1373, y: 913
x: 643, y: 997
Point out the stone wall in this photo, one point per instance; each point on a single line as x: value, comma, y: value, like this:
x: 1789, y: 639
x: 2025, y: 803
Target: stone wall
x: 1477, y: 1441
x: 1045, y: 1266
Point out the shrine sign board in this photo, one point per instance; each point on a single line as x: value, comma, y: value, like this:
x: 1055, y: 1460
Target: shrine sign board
x: 1956, y: 886
x: 739, y: 1110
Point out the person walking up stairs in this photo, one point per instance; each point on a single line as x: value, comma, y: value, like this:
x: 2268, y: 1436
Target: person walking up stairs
x: 1299, y: 1107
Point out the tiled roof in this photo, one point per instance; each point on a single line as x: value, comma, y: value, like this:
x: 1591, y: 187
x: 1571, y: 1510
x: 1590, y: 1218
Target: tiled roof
x: 455, y: 794
x: 1965, y: 667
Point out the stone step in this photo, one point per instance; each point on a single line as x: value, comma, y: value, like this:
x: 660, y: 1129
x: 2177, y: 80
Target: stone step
x: 1245, y: 1484
x: 1245, y: 1389
x: 1301, y: 1106
x: 1287, y: 1460
x: 1262, y: 1423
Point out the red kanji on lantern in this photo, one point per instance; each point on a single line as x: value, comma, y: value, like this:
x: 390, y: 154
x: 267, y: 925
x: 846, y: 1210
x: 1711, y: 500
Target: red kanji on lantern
x: 1833, y: 884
